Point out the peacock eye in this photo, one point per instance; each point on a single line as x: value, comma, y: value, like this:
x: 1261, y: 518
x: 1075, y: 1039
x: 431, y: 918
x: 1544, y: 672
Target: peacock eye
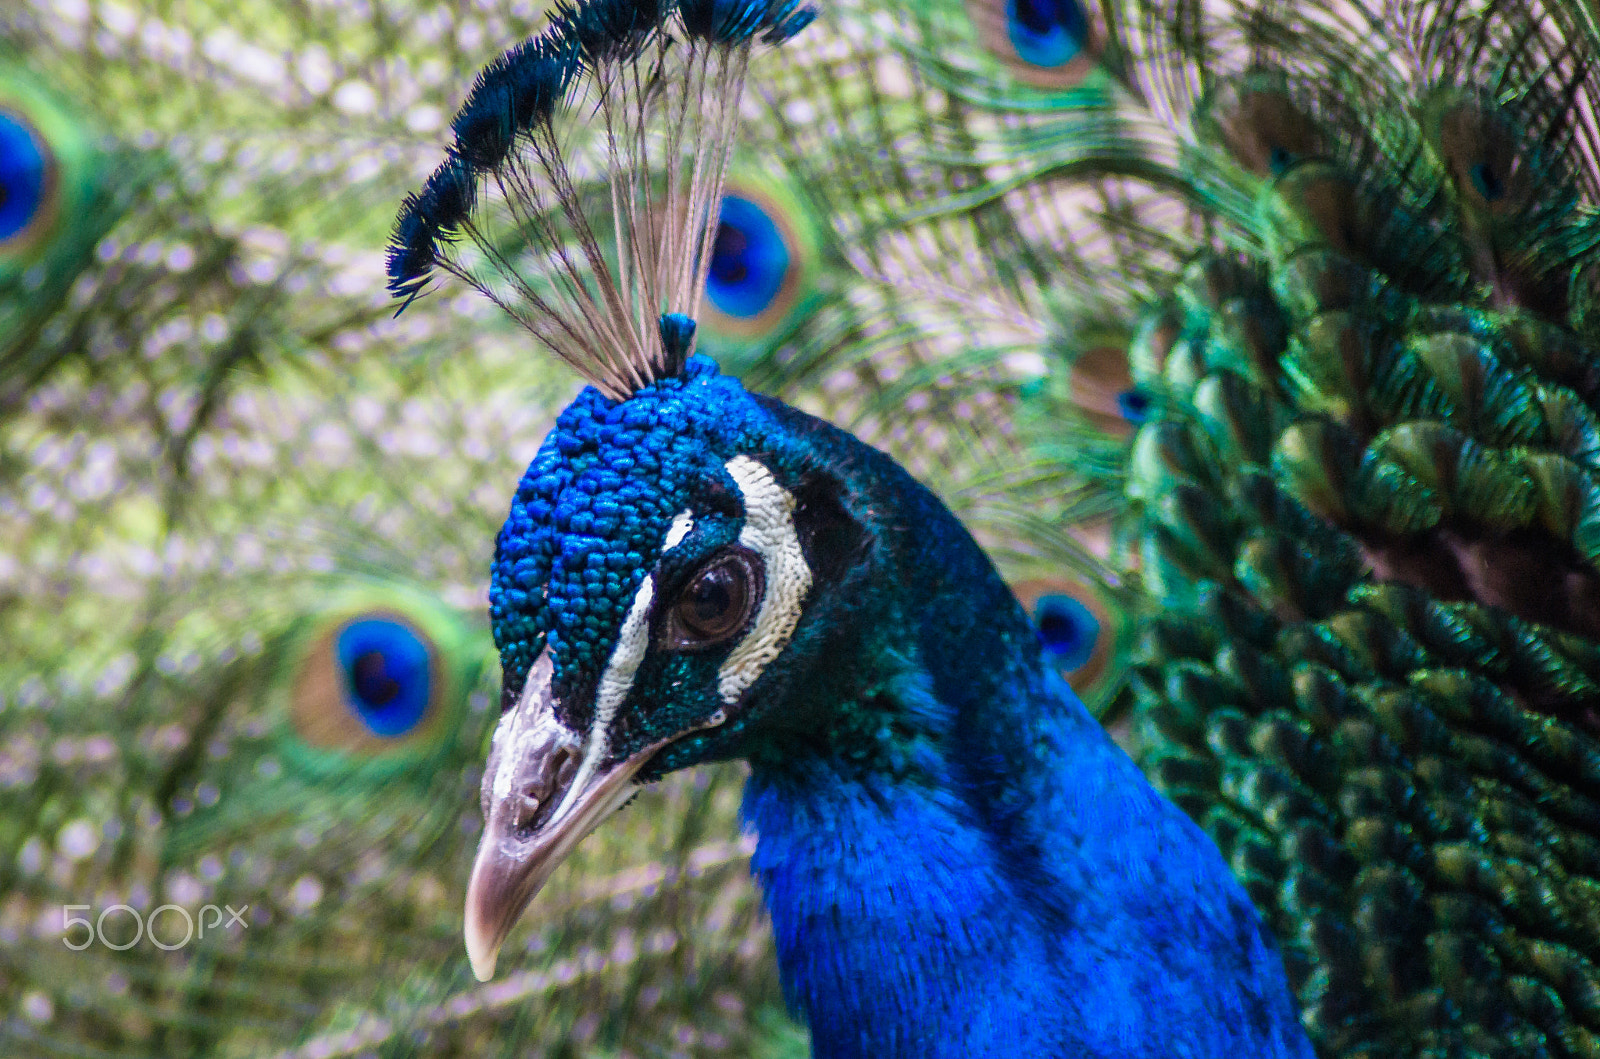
x: 717, y: 602
x: 750, y: 261
x: 24, y: 178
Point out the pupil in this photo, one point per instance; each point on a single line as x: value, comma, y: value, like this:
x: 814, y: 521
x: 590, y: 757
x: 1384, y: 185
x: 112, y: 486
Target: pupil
x: 372, y: 680
x: 1487, y: 181
x: 712, y: 596
x: 1040, y: 16
x: 1134, y: 406
x: 728, y: 249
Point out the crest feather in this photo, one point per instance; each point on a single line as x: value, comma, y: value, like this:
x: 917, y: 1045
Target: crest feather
x: 580, y: 192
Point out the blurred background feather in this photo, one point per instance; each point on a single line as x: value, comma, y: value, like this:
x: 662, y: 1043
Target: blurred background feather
x: 249, y: 519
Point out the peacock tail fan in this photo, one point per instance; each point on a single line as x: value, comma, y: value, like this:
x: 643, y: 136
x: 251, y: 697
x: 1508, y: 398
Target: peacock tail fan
x: 240, y: 182
x: 1363, y: 340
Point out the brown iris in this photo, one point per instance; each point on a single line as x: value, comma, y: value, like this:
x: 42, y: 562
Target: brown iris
x: 717, y: 602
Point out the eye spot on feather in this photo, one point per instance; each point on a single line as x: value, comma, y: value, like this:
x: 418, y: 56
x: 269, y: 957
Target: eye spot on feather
x: 1487, y: 181
x: 1134, y: 405
x: 27, y: 181
x: 387, y: 675
x: 755, y: 266
x: 1101, y: 387
x: 1067, y: 629
x: 1480, y: 151
x: 1081, y: 633
x: 1259, y: 123
x: 372, y: 682
x: 1046, y: 33
x: 1047, y: 43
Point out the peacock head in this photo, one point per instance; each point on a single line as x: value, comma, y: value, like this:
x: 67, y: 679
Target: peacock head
x: 670, y: 573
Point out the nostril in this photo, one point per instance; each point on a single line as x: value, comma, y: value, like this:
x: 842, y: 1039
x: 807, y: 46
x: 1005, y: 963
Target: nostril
x: 544, y: 789
x: 566, y: 767
x: 527, y: 811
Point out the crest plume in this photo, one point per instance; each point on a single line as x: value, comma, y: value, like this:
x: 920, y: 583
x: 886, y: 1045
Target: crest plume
x: 579, y: 193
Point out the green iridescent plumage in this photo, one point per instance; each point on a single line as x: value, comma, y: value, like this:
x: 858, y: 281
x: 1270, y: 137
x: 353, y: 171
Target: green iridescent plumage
x: 60, y: 191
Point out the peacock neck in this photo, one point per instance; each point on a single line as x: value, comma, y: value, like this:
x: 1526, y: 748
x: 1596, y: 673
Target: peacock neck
x: 894, y: 919
x: 959, y: 862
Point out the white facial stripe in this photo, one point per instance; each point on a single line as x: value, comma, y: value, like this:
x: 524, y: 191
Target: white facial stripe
x: 632, y: 641
x: 769, y: 532
x: 682, y: 523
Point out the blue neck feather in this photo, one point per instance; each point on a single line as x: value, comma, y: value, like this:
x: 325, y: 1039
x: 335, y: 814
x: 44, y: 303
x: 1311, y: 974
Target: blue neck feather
x: 973, y: 868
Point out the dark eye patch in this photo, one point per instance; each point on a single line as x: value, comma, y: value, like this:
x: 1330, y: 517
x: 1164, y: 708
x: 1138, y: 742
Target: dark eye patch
x: 830, y: 537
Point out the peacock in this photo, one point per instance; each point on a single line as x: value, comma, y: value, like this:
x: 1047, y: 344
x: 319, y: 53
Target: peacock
x: 956, y: 857
x: 1006, y: 229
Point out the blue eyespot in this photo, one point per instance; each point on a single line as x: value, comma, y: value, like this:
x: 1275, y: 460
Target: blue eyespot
x: 24, y: 176
x: 1134, y: 406
x: 1487, y: 181
x: 1046, y: 33
x: 749, y: 260
x: 1068, y: 631
x: 387, y: 674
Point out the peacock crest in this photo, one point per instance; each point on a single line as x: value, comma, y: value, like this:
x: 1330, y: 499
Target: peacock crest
x: 582, y: 192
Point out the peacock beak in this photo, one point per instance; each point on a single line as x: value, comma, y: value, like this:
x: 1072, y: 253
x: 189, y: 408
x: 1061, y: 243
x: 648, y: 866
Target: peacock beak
x: 544, y: 790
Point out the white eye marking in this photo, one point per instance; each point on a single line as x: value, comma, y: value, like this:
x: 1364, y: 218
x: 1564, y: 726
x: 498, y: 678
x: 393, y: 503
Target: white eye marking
x: 682, y: 523
x: 769, y: 532
x: 632, y: 641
